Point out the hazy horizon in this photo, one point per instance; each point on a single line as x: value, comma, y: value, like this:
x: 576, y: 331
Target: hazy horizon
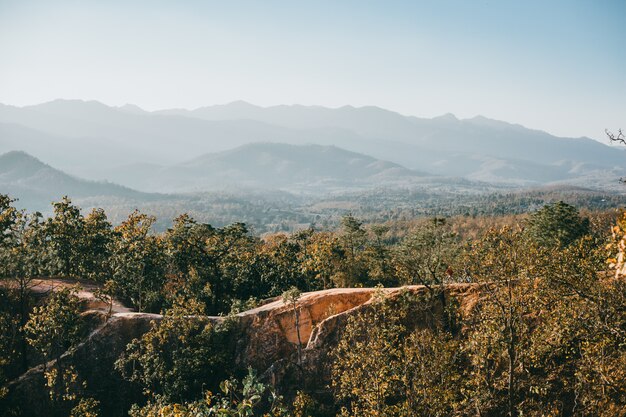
x: 556, y: 67
x: 603, y: 139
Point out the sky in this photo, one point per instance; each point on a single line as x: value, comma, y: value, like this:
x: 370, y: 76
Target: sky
x: 556, y: 65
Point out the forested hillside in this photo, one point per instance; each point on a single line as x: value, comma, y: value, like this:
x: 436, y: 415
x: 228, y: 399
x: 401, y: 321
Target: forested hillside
x: 320, y: 185
x: 37, y: 183
x: 511, y: 315
x: 270, y: 166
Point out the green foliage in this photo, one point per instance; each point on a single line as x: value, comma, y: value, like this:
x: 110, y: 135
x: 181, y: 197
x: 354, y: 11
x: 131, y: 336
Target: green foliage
x: 378, y: 255
x: 180, y: 355
x: 237, y: 267
x: 283, y: 259
x: 55, y: 326
x: 95, y: 245
x: 51, y: 330
x: 353, y: 240
x: 304, y: 405
x: 500, y: 348
x: 427, y: 254
x: 248, y: 398
x: 86, y: 407
x: 65, y: 229
x: 192, y: 269
x: 8, y: 340
x: 557, y: 224
x: 106, y: 294
x: 26, y: 253
x: 9, y: 218
x: 138, y: 262
x: 323, y: 260
x: 385, y: 366
x: 542, y: 335
x: 546, y: 337
x: 291, y: 297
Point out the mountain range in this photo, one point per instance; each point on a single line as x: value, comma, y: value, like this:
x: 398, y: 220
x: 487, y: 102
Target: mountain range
x: 240, y: 144
x: 293, y: 168
x: 258, y: 166
x: 36, y: 184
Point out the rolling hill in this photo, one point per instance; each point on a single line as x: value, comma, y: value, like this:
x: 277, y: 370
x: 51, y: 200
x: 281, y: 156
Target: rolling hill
x: 36, y: 184
x: 294, y: 168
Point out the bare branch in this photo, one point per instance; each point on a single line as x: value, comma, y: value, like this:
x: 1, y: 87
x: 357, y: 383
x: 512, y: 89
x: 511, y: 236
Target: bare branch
x: 618, y: 137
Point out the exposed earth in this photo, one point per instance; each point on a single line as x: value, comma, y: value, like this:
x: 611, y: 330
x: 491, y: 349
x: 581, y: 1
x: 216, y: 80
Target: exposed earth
x: 266, y: 339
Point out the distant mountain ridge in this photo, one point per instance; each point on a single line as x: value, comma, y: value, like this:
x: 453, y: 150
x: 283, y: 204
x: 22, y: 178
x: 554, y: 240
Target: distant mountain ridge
x: 272, y: 166
x: 276, y: 187
x: 36, y: 184
x: 446, y: 133
x: 92, y: 140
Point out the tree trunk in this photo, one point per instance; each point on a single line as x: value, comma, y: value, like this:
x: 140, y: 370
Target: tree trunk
x: 511, y: 379
x: 23, y: 343
x: 297, y: 317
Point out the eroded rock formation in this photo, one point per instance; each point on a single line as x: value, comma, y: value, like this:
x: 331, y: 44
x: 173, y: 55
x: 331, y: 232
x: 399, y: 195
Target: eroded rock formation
x: 266, y: 340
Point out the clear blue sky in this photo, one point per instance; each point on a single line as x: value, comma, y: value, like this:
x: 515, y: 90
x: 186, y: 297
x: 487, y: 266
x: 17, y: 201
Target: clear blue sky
x: 554, y: 65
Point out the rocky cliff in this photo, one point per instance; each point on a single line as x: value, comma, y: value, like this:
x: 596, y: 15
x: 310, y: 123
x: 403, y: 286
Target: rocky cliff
x: 267, y: 340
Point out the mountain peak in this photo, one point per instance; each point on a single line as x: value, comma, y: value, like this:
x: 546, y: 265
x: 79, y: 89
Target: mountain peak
x: 448, y: 117
x: 132, y: 108
x: 21, y: 161
x: 71, y: 105
x: 20, y: 156
x: 73, y: 101
x: 494, y: 123
x: 240, y: 104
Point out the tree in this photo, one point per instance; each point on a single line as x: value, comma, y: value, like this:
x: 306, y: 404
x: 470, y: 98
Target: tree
x: 426, y: 253
x: 10, y: 221
x: 106, y: 294
x: 290, y: 298
x: 380, y: 265
x: 426, y: 256
x: 56, y: 326
x: 51, y: 330
x: 236, y: 399
x: 386, y: 364
x: 138, y: 262
x: 236, y: 270
x: 557, y: 224
x: 65, y: 230
x: 9, y: 218
x: 303, y: 240
x: 283, y: 257
x: 9, y: 341
x: 353, y: 240
x: 191, y: 268
x: 324, y: 259
x: 602, y: 315
x: 432, y: 373
x: 502, y: 262
x: 24, y: 255
x: 95, y: 246
x: 365, y: 371
x: 86, y: 407
x: 179, y: 355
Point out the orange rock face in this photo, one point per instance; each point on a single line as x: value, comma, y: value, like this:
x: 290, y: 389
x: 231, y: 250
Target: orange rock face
x: 266, y: 340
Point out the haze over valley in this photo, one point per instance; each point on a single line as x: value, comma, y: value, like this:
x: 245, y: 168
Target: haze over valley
x: 285, y: 167
x: 294, y: 148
